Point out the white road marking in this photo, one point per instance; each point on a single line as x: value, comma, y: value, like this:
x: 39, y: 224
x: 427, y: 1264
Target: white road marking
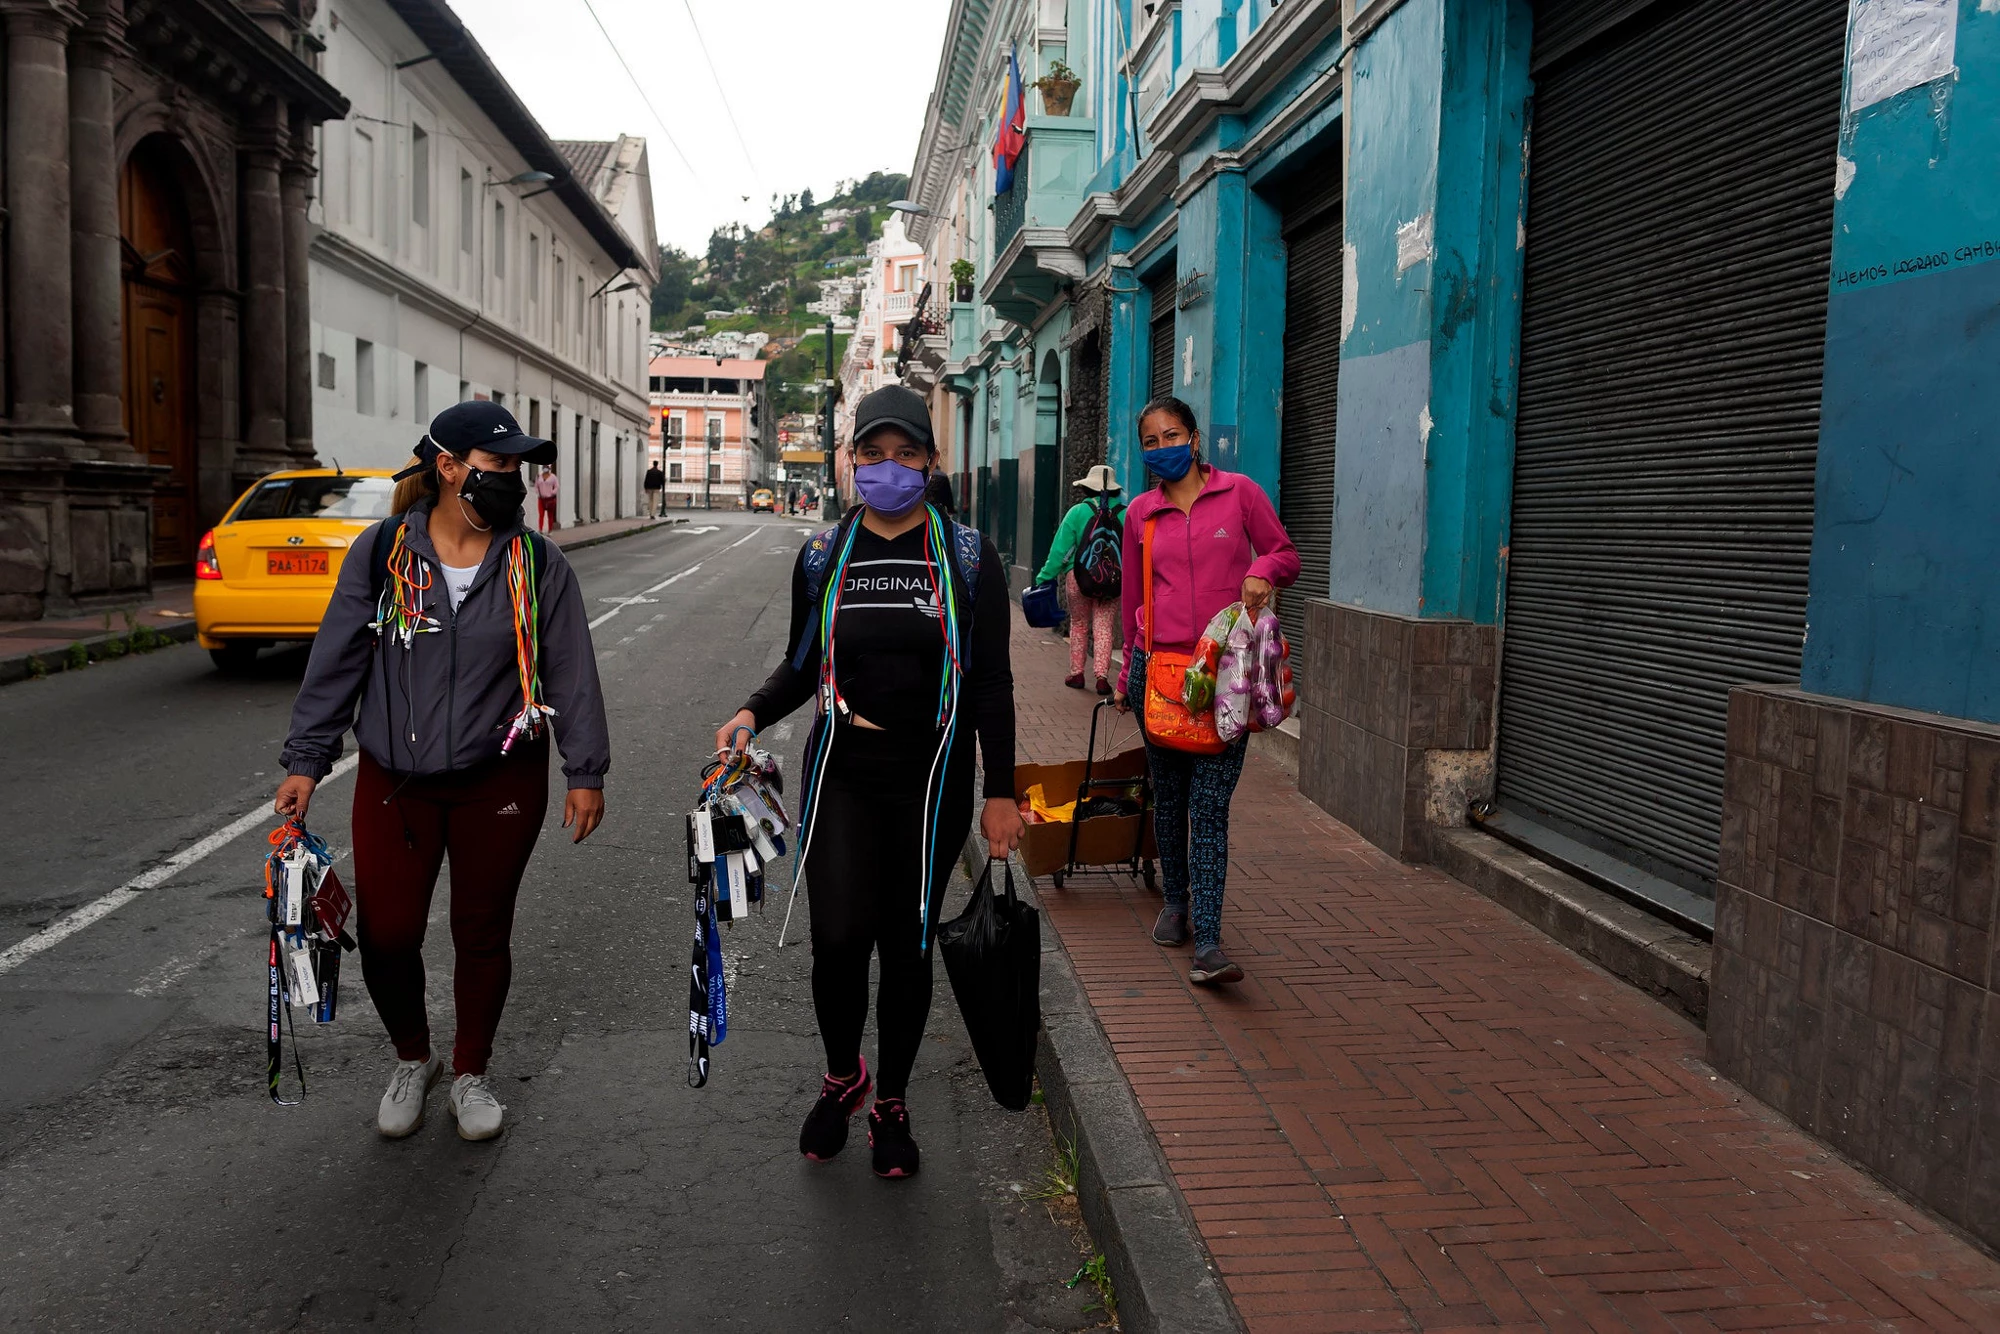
x: 670, y: 579
x: 97, y: 909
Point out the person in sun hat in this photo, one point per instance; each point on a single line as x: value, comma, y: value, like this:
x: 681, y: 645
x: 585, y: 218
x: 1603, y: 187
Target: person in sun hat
x: 455, y: 642
x: 1091, y: 538
x: 899, y: 630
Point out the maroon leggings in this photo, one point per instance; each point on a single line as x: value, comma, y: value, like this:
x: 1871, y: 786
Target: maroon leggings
x: 488, y: 819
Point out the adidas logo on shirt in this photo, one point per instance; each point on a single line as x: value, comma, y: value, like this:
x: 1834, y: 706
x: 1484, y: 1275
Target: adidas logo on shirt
x: 1222, y: 532
x: 511, y: 808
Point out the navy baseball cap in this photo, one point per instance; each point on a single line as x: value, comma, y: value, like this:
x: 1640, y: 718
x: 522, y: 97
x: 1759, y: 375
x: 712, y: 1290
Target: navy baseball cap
x: 480, y: 424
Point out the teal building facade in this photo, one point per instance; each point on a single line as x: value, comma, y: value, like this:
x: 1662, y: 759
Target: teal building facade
x: 1621, y: 368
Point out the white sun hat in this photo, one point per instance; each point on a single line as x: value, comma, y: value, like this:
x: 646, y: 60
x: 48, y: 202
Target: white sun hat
x: 1100, y: 479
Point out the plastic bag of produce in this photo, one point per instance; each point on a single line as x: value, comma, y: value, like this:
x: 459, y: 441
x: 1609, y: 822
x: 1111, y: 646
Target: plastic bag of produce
x: 1253, y: 677
x: 1198, y: 685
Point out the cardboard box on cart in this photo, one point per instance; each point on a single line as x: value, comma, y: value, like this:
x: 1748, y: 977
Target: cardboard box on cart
x: 1101, y: 841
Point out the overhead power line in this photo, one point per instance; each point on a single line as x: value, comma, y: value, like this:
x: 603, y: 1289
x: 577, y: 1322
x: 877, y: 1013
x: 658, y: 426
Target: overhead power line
x: 640, y: 89
x: 716, y: 76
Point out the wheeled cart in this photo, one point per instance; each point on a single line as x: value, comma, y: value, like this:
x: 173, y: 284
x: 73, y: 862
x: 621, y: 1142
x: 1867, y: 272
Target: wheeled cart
x: 1111, y: 829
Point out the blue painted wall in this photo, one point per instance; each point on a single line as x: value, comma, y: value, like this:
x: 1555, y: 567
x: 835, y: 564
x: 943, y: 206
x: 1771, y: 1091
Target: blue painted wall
x: 1429, y: 367
x: 1904, y: 600
x: 1475, y: 281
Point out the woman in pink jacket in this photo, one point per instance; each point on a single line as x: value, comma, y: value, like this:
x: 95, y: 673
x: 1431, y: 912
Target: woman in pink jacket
x: 1216, y: 540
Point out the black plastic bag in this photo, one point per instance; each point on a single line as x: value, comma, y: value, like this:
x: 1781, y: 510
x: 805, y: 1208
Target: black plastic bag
x: 993, y: 955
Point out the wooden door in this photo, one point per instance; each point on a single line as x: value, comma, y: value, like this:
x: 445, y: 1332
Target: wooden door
x: 159, y: 345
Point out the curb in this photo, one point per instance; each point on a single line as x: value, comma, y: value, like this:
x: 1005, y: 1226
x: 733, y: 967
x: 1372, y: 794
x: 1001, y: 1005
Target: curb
x: 602, y: 538
x: 1161, y: 1273
x: 14, y: 667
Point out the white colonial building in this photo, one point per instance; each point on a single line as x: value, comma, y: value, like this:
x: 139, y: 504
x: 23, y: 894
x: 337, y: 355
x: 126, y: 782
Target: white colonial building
x: 460, y: 253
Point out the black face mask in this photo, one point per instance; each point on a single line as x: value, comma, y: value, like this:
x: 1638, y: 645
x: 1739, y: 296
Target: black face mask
x: 494, y: 496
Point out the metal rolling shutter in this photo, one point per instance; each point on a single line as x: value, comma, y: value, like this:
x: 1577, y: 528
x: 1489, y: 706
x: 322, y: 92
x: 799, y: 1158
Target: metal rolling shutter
x: 1678, y: 238
x: 1313, y: 234
x: 1160, y: 372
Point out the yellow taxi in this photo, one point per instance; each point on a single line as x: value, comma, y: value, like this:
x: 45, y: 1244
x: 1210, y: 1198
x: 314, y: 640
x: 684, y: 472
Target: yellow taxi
x: 266, y: 572
x: 762, y: 499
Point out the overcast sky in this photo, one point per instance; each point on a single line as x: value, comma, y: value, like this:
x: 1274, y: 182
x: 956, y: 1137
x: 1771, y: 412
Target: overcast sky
x: 824, y: 90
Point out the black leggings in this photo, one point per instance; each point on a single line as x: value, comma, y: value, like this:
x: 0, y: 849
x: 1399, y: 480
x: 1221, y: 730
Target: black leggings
x: 864, y: 876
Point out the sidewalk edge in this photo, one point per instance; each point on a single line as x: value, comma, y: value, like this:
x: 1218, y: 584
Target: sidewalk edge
x: 602, y: 538
x: 1161, y: 1272
x: 14, y: 667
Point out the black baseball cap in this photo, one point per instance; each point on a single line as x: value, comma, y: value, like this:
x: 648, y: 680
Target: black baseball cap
x: 894, y: 405
x: 481, y: 424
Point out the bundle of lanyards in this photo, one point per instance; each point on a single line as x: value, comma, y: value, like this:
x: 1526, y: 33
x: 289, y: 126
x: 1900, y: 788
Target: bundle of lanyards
x: 736, y: 831
x: 308, y: 908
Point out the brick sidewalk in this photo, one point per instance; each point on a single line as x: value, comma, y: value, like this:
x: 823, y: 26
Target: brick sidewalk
x: 1420, y: 1113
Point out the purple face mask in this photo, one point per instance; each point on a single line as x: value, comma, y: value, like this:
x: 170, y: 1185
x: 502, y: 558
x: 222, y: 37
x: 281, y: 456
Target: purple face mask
x: 889, y: 488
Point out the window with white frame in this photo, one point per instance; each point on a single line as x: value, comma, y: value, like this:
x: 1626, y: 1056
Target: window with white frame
x: 468, y: 211
x: 499, y: 239
x: 420, y: 177
x: 676, y: 429
x: 364, y: 377
x: 361, y: 181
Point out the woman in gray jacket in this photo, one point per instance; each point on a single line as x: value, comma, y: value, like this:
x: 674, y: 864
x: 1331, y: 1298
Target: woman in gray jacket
x: 455, y: 640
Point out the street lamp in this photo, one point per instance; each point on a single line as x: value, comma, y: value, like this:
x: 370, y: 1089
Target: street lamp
x: 909, y: 206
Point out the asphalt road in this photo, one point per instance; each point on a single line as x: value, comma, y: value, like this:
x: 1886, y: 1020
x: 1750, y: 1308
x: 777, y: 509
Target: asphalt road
x: 146, y: 1181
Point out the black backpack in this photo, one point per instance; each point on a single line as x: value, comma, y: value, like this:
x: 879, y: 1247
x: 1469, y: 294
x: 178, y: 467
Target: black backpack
x: 1100, y: 555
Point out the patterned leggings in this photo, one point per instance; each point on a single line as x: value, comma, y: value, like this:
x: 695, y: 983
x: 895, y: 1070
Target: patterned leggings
x: 1191, y: 795
x: 1090, y: 620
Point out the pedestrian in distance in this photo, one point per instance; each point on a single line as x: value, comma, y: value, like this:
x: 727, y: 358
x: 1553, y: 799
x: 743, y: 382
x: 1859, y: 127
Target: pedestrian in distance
x: 1088, y: 550
x: 656, y: 491
x: 899, y: 630
x: 453, y: 638
x: 1215, y: 539
x: 547, y: 486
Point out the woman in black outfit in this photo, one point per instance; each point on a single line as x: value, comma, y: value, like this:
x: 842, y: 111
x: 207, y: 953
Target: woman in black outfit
x: 899, y: 627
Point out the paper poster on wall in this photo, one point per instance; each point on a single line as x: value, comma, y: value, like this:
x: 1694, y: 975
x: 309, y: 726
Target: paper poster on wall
x: 1895, y: 45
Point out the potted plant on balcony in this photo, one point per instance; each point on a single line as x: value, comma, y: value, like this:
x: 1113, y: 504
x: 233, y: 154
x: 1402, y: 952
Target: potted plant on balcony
x: 961, y: 280
x: 1058, y: 87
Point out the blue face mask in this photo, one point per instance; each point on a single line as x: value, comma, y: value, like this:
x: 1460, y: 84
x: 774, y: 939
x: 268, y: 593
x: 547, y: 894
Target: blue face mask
x: 889, y: 488
x: 1170, y: 462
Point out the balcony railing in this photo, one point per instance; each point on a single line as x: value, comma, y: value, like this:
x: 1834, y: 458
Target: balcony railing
x: 1011, y: 209
x: 897, y: 305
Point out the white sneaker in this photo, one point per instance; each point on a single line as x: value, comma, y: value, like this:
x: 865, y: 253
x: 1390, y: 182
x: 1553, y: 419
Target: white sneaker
x: 477, y: 1110
x: 402, y: 1109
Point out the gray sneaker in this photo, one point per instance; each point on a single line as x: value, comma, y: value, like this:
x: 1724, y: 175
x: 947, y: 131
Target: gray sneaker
x: 477, y: 1110
x: 402, y: 1109
x: 1212, y: 968
x: 1171, y: 926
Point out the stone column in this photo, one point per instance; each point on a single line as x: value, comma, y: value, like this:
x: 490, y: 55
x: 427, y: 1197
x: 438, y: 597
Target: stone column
x: 297, y: 191
x: 96, y: 298
x: 38, y: 226
x: 264, y: 313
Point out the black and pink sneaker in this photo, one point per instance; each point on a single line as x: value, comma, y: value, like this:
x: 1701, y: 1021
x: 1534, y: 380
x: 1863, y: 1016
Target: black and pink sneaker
x: 889, y: 1136
x: 825, y: 1132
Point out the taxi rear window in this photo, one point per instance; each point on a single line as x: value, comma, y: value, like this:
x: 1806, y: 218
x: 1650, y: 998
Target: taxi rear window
x: 317, y: 498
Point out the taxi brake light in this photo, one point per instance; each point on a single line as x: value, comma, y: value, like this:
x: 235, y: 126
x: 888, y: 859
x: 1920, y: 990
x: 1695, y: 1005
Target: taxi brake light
x: 205, y: 566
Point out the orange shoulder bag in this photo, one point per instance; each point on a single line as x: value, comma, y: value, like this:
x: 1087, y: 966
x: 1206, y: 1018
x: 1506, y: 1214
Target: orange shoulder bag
x: 1168, y: 722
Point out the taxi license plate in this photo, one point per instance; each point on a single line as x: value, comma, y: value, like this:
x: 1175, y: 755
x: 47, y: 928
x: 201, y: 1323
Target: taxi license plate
x: 296, y: 562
